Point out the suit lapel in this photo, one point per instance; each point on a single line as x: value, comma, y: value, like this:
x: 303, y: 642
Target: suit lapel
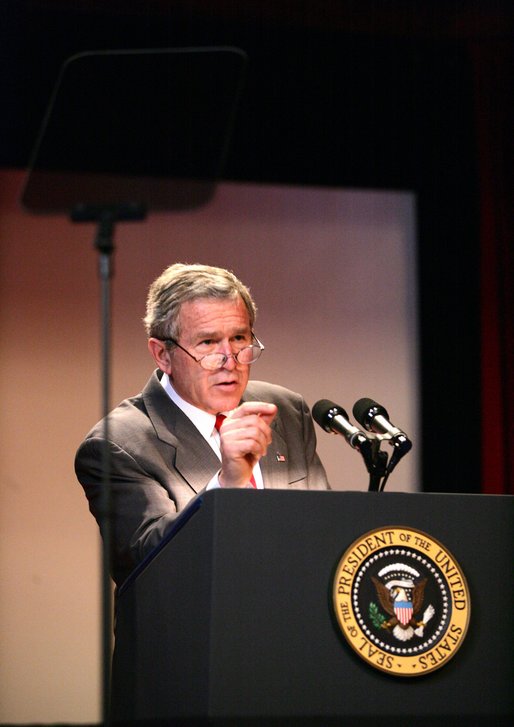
x: 189, y: 453
x: 274, y: 466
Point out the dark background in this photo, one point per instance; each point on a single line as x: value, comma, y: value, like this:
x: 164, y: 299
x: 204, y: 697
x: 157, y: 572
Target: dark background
x: 385, y: 94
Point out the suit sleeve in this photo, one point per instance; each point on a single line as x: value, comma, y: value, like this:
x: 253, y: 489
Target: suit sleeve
x: 142, y: 507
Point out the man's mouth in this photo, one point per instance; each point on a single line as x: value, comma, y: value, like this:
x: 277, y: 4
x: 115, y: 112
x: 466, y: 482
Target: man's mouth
x: 227, y: 384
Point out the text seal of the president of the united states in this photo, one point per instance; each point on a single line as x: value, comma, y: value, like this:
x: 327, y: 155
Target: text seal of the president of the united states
x: 401, y: 600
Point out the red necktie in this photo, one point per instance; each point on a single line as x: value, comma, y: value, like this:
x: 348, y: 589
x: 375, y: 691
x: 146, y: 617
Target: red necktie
x: 220, y: 418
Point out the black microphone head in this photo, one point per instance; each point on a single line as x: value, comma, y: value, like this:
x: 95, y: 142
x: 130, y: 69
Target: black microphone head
x: 324, y: 410
x: 365, y: 410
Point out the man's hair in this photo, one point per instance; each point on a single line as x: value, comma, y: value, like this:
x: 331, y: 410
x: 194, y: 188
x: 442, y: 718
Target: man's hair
x: 180, y: 283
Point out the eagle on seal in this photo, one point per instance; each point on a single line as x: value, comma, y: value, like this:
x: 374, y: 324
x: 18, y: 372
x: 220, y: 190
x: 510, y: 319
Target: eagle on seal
x: 401, y: 608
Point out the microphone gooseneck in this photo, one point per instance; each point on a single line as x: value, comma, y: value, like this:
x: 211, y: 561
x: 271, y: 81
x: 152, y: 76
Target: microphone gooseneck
x: 374, y: 418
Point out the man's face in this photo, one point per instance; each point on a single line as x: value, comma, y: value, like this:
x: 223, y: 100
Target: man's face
x: 208, y: 326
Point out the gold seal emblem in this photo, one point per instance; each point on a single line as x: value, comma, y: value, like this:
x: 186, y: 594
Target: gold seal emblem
x: 401, y: 601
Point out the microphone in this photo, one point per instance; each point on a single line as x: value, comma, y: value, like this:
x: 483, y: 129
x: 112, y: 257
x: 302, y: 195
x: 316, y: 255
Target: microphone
x: 333, y: 418
x: 375, y: 418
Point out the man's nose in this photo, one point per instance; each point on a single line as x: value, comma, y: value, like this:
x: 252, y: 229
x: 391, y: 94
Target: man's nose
x: 231, y: 362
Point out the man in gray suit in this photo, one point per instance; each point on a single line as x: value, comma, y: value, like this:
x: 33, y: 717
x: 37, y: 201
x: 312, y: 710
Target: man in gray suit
x: 199, y: 423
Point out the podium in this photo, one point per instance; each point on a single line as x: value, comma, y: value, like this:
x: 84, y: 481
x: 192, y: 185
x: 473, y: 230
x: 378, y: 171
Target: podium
x: 231, y: 621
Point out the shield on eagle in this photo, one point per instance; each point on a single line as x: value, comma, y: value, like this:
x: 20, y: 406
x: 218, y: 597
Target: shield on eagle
x: 403, y: 611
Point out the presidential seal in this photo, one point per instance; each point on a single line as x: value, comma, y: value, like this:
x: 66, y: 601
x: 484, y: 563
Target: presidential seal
x: 401, y: 600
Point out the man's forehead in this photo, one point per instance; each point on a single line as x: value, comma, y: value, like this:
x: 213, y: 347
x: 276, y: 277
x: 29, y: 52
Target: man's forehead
x: 212, y: 314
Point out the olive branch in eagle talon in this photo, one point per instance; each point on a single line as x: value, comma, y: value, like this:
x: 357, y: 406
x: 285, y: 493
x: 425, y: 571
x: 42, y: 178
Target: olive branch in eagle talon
x: 377, y: 618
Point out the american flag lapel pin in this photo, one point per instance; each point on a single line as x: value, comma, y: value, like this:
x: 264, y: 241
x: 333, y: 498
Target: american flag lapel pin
x: 281, y: 457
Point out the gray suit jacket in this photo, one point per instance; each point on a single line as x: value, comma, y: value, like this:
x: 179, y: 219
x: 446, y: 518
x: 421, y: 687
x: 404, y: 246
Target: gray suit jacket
x: 160, y: 461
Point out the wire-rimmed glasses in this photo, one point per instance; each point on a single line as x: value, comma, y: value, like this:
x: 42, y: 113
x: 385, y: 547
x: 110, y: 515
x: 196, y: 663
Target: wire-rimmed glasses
x: 213, y: 361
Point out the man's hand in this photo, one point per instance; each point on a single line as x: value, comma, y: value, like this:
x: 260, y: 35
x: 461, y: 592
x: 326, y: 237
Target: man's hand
x: 244, y: 436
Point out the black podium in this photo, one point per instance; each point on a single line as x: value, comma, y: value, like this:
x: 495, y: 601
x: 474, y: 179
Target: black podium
x: 231, y: 622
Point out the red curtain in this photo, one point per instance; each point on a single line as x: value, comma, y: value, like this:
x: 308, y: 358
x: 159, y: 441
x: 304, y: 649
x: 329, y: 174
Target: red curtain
x: 494, y: 98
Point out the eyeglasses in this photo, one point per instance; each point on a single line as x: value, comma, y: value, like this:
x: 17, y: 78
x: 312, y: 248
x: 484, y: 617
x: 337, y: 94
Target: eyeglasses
x: 214, y: 361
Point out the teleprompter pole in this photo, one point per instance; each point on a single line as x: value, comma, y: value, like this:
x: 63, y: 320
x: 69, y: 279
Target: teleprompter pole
x: 106, y: 218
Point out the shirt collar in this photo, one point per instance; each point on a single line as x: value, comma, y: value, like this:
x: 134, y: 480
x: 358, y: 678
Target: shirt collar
x: 202, y: 420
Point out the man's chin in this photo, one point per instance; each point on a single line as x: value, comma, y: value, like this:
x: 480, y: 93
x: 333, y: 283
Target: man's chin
x: 227, y: 398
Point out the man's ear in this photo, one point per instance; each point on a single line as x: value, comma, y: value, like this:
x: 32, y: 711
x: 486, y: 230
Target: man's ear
x: 160, y: 354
